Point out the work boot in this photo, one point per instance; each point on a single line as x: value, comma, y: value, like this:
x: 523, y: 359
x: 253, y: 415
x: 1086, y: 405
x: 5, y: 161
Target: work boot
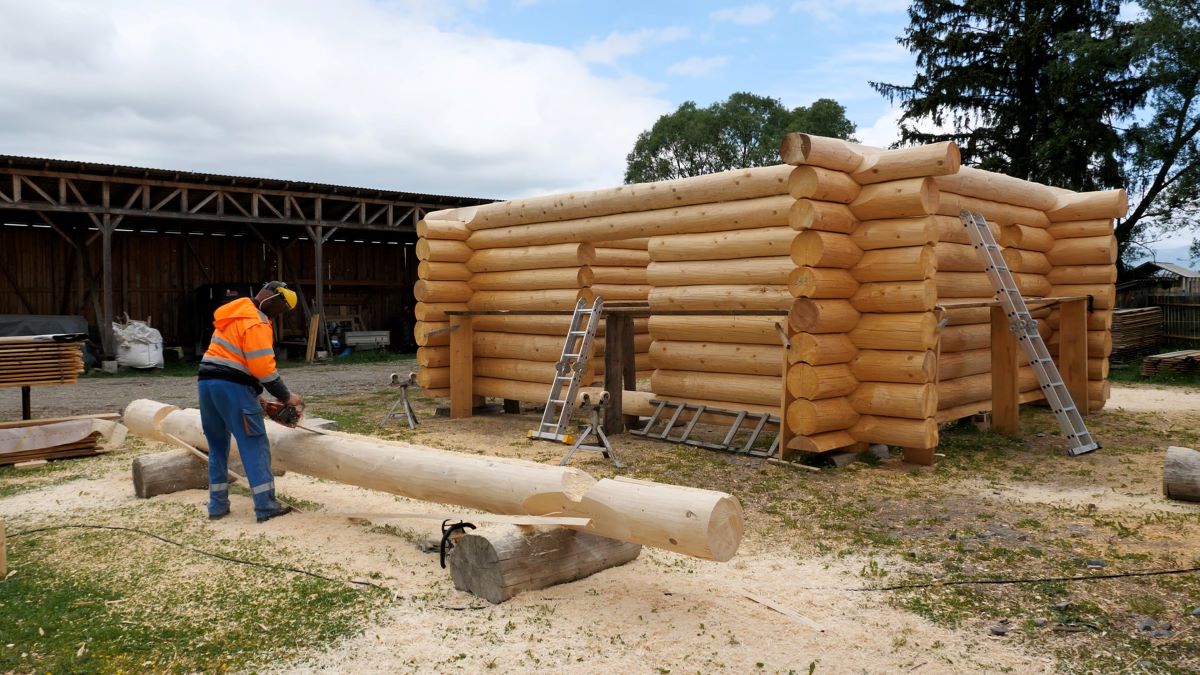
x: 217, y: 516
x: 283, y: 510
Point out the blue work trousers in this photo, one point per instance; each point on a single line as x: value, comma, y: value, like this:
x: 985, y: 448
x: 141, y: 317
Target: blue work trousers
x: 231, y: 408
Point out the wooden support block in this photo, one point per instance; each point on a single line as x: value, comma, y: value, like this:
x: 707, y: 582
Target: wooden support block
x: 165, y: 472
x: 620, y: 370
x: 1073, y: 351
x: 1181, y: 478
x: 922, y: 456
x: 498, y: 564
x: 462, y: 366
x: 1005, y: 389
x: 31, y: 464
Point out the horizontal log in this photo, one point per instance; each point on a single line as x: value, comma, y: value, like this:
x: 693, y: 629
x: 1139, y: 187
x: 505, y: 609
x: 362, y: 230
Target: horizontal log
x: 950, y: 204
x: 517, y: 346
x: 756, y: 389
x: 958, y: 285
x: 892, y: 399
x: 818, y: 382
x: 516, y: 369
x: 1026, y: 262
x: 896, y: 199
x: 514, y: 390
x: 532, y: 258
x: 953, y: 365
x: 641, y: 343
x: 960, y: 391
x: 772, y: 271
x: 443, y: 271
x: 1098, y: 394
x: 620, y: 257
x: 1070, y: 229
x: 911, y: 263
x: 435, y: 393
x: 822, y: 316
x: 906, y: 367
x: 915, y: 331
x: 1083, y: 274
x: 814, y: 182
x: 905, y: 433
x: 1097, y: 368
x: 614, y: 292
x: 965, y: 338
x: 638, y: 244
x: 814, y: 248
x: 1104, y: 296
x: 1083, y: 251
x: 730, y: 245
x: 433, y: 357
x: 738, y: 184
x: 951, y: 229
x: 896, y: 233
x: 441, y: 291
x: 718, y: 357
x: 160, y: 473
x: 1027, y: 238
x: 1034, y: 285
x: 807, y: 214
x: 734, y: 215
x: 821, y: 350
x: 426, y: 311
x: 966, y: 316
x: 830, y: 153
x: 896, y: 296
x: 807, y: 417
x: 758, y: 330
x: 533, y: 280
x: 998, y: 187
x: 757, y: 297
x: 619, y: 275
x: 1089, y: 206
x: 957, y: 258
x: 533, y: 300
x: 820, y: 282
x: 820, y: 443
x: 440, y: 250
x: 935, y: 159
x: 442, y: 229
x: 433, y: 378
x: 422, y: 330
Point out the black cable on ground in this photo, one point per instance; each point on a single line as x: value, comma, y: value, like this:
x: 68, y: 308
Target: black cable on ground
x: 210, y: 554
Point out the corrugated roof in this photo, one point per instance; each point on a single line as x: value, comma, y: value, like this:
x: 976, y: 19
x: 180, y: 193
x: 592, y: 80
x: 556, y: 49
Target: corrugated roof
x: 1172, y: 268
x: 136, y: 172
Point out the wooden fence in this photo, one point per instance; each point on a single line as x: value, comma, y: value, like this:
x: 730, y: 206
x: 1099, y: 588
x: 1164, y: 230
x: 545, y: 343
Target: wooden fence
x: 1181, y: 315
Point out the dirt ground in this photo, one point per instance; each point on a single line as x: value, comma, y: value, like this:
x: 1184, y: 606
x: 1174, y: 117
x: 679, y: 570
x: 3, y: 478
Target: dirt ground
x: 812, y: 541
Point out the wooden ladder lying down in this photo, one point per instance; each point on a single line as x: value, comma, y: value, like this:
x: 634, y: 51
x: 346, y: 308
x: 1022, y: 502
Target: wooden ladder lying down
x: 675, y: 411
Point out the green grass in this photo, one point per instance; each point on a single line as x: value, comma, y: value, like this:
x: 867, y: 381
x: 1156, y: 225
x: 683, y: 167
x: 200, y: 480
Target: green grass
x: 1130, y: 371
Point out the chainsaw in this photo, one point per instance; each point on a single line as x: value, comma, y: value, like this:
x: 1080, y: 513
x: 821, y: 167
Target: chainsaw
x: 287, y: 415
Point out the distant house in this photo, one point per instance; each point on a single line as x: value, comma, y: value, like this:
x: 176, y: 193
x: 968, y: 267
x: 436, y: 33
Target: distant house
x: 1157, y: 279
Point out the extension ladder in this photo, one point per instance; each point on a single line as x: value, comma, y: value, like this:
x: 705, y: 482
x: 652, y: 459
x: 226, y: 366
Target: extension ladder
x: 1023, y: 324
x: 569, y: 372
x: 668, y: 413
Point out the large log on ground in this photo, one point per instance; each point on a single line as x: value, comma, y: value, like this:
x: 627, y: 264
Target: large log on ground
x: 702, y: 523
x: 896, y: 233
x: 718, y: 357
x: 820, y: 282
x: 523, y: 257
x: 497, y: 564
x: 758, y: 389
x: 532, y: 280
x: 732, y: 185
x: 814, y: 248
x: 732, y: 245
x: 911, y: 263
x: 896, y: 199
x: 807, y: 214
x: 1181, y: 474
x: 758, y: 297
x: 1089, y: 205
x: 736, y: 215
x: 813, y: 182
x: 772, y: 271
x: 758, y: 330
x: 162, y: 473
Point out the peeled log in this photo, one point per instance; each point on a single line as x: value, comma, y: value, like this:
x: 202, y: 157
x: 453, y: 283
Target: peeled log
x: 820, y: 282
x: 950, y: 204
x: 757, y: 243
x: 532, y: 258
x: 820, y: 350
x: 772, y: 271
x: 441, y: 291
x: 936, y: 159
x: 757, y: 389
x: 426, y: 311
x: 957, y: 258
x: 619, y: 275
x: 814, y: 182
x: 1034, y: 285
x: 998, y: 187
x: 830, y: 153
x: 440, y: 250
x: 911, y: 263
x: 443, y: 271
x: 760, y: 297
x: 918, y: 434
x: 955, y: 285
x: 518, y: 346
x: 701, y: 523
x: 718, y: 357
x: 951, y: 229
x: 516, y: 369
x: 966, y: 315
x: 638, y: 244
x: 556, y: 299
x: 965, y: 338
x: 818, y: 443
x: 759, y: 330
x: 638, y: 403
x: 1104, y: 296
x: 433, y: 378
x: 807, y: 214
x: 818, y: 382
x: 1102, y: 227
x: 612, y: 292
x: 953, y: 365
x: 909, y: 367
x: 442, y: 229
x: 907, y: 332
x: 822, y: 316
x: 807, y: 417
x: 163, y: 473
x: 895, y: 233
x: 533, y: 280
x: 620, y: 257
x: 1083, y: 274
x: 1181, y: 474
x: 1026, y: 238
x: 897, y: 199
x: 1026, y: 262
x: 814, y: 248
x: 494, y: 564
x: 735, y: 215
x: 433, y: 357
x: 900, y: 296
x: 890, y: 399
x: 1083, y: 251
x: 421, y: 333
x: 1089, y: 206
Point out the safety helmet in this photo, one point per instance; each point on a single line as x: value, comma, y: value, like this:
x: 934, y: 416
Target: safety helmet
x: 280, y: 288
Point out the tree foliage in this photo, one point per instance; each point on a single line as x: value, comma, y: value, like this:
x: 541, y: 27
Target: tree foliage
x: 743, y: 131
x: 1064, y: 93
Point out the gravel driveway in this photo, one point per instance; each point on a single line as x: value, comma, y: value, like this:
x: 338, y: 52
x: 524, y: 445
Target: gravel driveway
x: 111, y: 394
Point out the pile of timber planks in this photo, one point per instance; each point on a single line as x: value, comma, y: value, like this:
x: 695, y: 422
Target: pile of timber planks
x: 1136, y: 329
x: 1182, y: 362
x: 58, y: 438
x: 39, y: 359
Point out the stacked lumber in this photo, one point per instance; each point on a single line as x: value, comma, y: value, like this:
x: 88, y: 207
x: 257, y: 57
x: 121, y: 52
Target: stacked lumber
x: 1182, y: 362
x: 58, y: 438
x: 619, y: 276
x: 39, y: 360
x: 1136, y: 329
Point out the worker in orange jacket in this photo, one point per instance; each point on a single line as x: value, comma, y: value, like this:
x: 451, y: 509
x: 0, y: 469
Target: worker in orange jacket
x: 239, y: 364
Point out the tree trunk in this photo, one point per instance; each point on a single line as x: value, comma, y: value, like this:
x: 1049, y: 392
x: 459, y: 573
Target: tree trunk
x: 162, y: 473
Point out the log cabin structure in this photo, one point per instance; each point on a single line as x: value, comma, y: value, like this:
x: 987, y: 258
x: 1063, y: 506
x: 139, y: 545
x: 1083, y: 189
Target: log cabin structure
x: 101, y: 240
x: 889, y: 316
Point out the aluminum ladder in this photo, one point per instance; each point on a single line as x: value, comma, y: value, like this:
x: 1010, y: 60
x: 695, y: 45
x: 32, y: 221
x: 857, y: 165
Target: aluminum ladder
x: 1022, y: 323
x: 569, y: 371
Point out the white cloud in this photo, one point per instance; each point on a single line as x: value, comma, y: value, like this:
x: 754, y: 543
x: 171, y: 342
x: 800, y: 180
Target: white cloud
x: 823, y: 10
x: 884, y: 132
x: 697, y: 66
x: 608, y: 50
x: 355, y: 92
x: 745, y: 15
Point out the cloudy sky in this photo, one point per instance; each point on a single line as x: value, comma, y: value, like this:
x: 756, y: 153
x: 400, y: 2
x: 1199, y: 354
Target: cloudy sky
x: 496, y: 98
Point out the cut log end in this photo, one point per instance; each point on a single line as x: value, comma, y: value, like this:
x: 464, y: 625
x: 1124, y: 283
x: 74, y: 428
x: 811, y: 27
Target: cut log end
x: 1181, y: 474
x: 166, y: 472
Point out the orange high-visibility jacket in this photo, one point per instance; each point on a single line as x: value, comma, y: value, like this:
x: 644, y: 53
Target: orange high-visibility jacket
x: 243, y: 340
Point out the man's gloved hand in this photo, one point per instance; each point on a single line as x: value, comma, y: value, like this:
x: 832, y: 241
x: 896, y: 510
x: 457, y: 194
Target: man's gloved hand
x: 295, y: 401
